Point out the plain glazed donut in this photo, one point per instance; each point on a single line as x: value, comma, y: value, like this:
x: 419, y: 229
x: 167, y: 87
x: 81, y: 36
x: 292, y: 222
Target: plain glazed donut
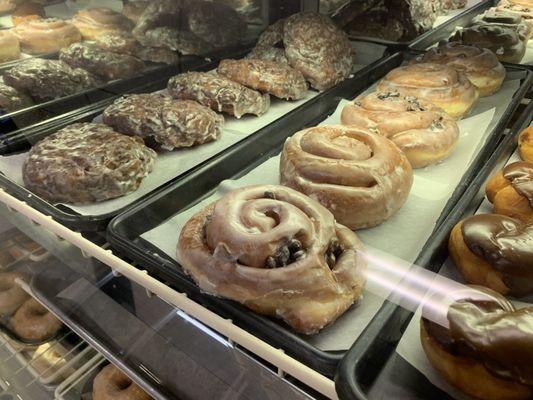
x: 441, y: 85
x: 361, y: 177
x: 95, y: 21
x: 486, y: 350
x: 9, y: 46
x: 423, y: 131
x: 112, y: 384
x: 12, y: 296
x: 276, y: 251
x: 34, y: 323
x: 44, y: 36
x: 494, y: 251
x: 481, y: 66
x: 525, y: 144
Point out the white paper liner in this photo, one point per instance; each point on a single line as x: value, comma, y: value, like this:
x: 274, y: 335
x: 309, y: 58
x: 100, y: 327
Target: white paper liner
x: 432, y: 188
x: 410, y: 348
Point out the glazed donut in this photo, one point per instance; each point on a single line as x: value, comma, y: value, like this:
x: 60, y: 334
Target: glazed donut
x: 134, y: 9
x: 33, y: 322
x: 46, y: 35
x: 511, y: 191
x: 279, y: 80
x: 423, y: 131
x: 439, y: 84
x: 12, y: 296
x: 276, y: 251
x: 525, y: 144
x: 361, y: 177
x: 9, y: 46
x: 112, y: 384
x: 486, y: 350
x: 95, y: 21
x: 26, y: 12
x: 494, y: 251
x: 481, y: 66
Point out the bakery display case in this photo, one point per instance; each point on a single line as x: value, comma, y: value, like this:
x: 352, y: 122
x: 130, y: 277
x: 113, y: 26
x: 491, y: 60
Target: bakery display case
x: 252, y: 199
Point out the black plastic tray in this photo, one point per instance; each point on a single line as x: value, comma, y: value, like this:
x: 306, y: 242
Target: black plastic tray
x: 124, y: 232
x: 305, y: 115
x: 372, y: 369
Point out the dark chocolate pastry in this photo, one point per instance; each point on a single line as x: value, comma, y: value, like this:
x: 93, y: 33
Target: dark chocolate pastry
x: 86, y: 163
x: 11, y: 99
x: 48, y: 79
x: 173, y: 39
x: 171, y: 123
x: 379, y: 24
x: 158, y: 13
x: 102, y: 63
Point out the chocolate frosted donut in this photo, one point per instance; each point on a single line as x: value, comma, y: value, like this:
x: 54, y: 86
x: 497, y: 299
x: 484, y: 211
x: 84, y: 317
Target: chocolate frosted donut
x: 112, y: 384
x: 12, y: 296
x: 92, y: 22
x: 486, y: 350
x: 86, y: 163
x: 218, y: 93
x: 34, y: 323
x: 171, y: 123
x: 494, y: 251
x: 48, y: 79
x: 105, y: 64
x: 276, y: 251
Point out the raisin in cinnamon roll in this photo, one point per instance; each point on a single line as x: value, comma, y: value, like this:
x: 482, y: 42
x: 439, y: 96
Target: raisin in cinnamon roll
x: 361, y: 177
x: 276, y: 251
x: 423, y: 131
x: 486, y: 348
x: 494, y: 251
x: 481, y: 66
x: 441, y: 85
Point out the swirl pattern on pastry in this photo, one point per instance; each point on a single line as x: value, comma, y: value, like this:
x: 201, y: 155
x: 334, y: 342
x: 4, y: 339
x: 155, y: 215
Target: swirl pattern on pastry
x: 495, y: 251
x: 11, y: 99
x: 43, y: 36
x: 361, y: 177
x: 9, y: 46
x: 423, y: 131
x: 171, y: 123
x: 112, y: 384
x: 441, y: 85
x: 279, y: 80
x: 481, y: 66
x: 218, y: 93
x: 487, y: 348
x: 92, y: 22
x: 276, y: 251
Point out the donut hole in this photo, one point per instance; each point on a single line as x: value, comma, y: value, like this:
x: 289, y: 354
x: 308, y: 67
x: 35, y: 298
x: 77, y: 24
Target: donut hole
x: 123, y: 383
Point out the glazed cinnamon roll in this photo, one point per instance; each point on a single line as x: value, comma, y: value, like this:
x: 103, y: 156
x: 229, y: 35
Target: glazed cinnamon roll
x: 423, y: 131
x: 92, y: 22
x: 511, y: 191
x: 525, y: 144
x: 481, y: 66
x: 441, y: 85
x: 361, y: 177
x: 494, y: 251
x: 48, y: 35
x: 276, y: 251
x: 487, y: 347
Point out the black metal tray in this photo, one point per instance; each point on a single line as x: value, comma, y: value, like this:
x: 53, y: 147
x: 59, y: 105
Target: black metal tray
x: 372, y: 369
x: 124, y: 232
x: 305, y: 115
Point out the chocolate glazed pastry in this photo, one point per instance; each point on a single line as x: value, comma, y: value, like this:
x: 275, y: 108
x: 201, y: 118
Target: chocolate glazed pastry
x: 511, y: 191
x: 276, y: 251
x: 11, y: 99
x: 279, y: 80
x: 487, y: 349
x: 171, y: 123
x: 218, y: 93
x: 176, y: 40
x: 494, y: 251
x: 105, y: 64
x: 48, y: 79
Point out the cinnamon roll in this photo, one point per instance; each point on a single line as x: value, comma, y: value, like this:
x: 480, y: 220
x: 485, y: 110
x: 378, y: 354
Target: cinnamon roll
x: 511, y: 191
x: 9, y: 46
x: 487, y: 347
x: 92, y: 22
x: 276, y: 251
x: 48, y: 35
x: 279, y: 80
x: 439, y: 84
x: 361, y: 177
x: 494, y: 251
x: 525, y: 144
x: 481, y: 66
x: 423, y: 131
